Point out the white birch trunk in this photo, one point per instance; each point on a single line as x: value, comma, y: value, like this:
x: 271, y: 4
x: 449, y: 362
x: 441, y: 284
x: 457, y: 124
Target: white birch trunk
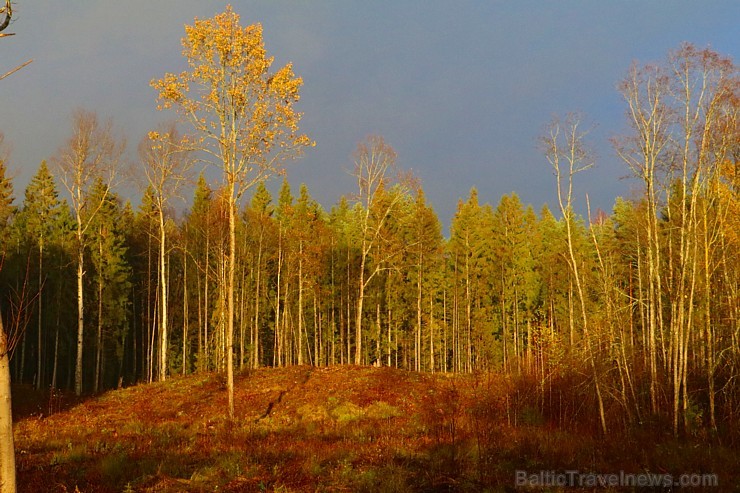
x: 7, y: 451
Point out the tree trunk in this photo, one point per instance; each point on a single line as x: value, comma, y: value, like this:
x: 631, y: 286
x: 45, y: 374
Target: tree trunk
x: 358, y: 321
x: 230, y: 301
x: 256, y: 329
x: 431, y: 332
x: 39, y: 367
x: 185, y: 313
x: 55, y: 365
x: 80, y: 311
x: 99, y: 340
x: 300, y: 302
x: 7, y: 451
x: 163, y: 286
x: 206, y: 313
x: 417, y: 339
x: 278, y: 343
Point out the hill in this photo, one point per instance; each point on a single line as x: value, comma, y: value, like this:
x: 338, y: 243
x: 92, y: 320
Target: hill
x: 323, y: 429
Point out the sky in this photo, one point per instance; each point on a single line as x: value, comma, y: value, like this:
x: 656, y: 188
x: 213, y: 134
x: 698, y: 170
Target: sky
x: 460, y: 89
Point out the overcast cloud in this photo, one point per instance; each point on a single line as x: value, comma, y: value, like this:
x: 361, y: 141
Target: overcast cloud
x: 460, y: 89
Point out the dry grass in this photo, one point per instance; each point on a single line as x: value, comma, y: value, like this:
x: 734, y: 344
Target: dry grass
x: 324, y: 429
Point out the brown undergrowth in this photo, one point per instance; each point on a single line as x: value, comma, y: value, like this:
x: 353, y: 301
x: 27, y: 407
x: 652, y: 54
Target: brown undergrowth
x: 327, y: 429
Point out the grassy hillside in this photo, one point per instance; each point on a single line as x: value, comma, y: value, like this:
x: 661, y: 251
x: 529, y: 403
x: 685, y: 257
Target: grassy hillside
x: 323, y: 429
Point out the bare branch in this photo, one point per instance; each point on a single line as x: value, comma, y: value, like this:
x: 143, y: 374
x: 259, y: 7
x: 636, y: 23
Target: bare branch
x: 8, y: 74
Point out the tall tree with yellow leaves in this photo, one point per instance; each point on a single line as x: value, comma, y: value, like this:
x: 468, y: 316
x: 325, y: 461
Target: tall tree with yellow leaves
x: 243, y: 116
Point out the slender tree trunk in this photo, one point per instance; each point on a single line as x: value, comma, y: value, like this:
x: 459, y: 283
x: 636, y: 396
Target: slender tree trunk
x: 349, y: 311
x: 300, y: 302
x: 377, y: 359
x: 278, y: 342
x: 242, y: 314
x: 146, y: 354
x: 185, y: 313
x: 445, y: 328
x: 206, y: 312
x: 39, y: 366
x: 456, y: 322
x: 134, y: 341
x: 55, y: 365
x: 201, y: 352
x: 230, y: 300
x: 7, y: 450
x: 256, y: 329
x: 99, y: 344
x: 586, y: 332
x: 431, y: 332
x: 389, y: 335
x: 163, y: 334
x: 318, y: 348
x: 468, y: 314
x: 360, y: 300
x: 417, y: 339
x: 21, y: 369
x: 152, y: 336
x: 80, y: 309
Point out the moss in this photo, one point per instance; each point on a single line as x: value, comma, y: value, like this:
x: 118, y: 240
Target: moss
x: 382, y: 410
x: 347, y: 412
x: 312, y: 413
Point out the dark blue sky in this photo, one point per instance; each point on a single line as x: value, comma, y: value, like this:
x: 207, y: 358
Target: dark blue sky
x: 461, y: 89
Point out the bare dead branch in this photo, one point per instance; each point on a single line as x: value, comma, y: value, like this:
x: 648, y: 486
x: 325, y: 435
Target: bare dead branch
x: 8, y: 74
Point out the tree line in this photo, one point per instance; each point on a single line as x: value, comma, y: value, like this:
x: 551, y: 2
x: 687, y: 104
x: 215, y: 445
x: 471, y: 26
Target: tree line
x: 633, y: 313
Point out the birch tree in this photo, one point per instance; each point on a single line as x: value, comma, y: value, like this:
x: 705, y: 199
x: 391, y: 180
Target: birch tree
x: 7, y: 453
x: 376, y: 172
x: 7, y: 342
x: 243, y: 116
x: 91, y: 153
x: 565, y: 150
x: 166, y: 164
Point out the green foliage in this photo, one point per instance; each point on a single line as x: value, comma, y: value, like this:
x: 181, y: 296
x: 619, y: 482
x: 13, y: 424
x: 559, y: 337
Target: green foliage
x: 6, y: 198
x: 346, y: 412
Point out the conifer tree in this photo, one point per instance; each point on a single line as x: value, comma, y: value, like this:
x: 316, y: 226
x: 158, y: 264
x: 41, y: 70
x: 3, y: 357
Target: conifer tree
x: 41, y: 216
x: 260, y: 233
x: 108, y: 253
x: 425, y: 248
x: 200, y: 239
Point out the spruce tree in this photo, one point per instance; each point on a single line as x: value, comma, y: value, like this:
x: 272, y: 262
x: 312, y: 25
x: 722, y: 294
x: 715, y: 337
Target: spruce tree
x: 42, y: 217
x: 108, y: 252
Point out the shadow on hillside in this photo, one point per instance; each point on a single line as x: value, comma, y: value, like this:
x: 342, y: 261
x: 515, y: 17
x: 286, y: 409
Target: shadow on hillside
x: 29, y: 402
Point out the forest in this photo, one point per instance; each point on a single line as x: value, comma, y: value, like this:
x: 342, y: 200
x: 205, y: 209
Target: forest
x: 613, y: 319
